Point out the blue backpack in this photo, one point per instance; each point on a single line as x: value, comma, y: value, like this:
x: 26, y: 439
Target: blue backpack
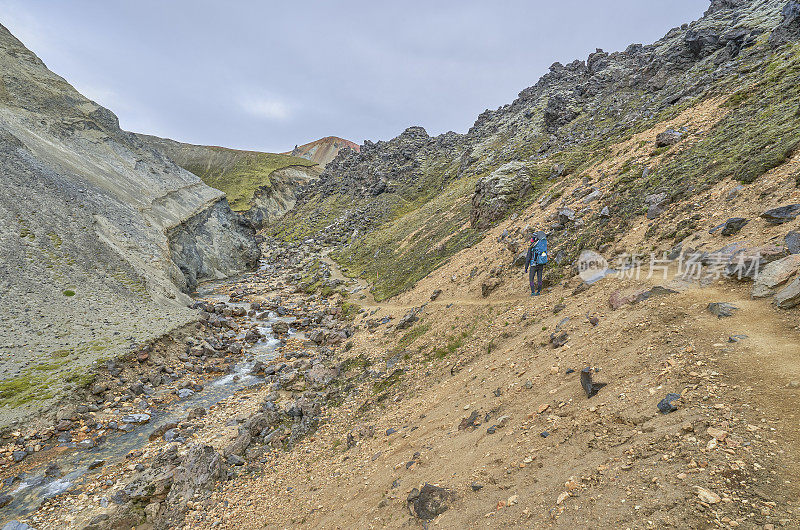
x: 539, y: 252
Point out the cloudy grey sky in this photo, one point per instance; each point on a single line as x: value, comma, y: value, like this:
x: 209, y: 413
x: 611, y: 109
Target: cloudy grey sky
x: 266, y: 75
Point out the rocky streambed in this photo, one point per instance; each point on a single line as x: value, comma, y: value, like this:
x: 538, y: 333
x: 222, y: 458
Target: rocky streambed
x: 129, y: 450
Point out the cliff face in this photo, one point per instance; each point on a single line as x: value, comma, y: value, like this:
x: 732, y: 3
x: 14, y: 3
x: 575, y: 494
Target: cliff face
x: 101, y: 235
x: 404, y: 206
x: 260, y: 186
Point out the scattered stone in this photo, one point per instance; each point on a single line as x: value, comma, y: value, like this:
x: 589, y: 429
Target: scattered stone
x: 97, y: 463
x: 469, y: 422
x: 730, y: 227
x: 88, y: 443
x: 566, y: 215
x: 53, y: 470
x: 558, y: 339
x: 737, y: 338
x: 665, y: 406
x: 489, y: 285
x: 408, y: 319
x: 136, y: 418
x: 435, y: 294
x: 16, y: 525
x: 64, y: 425
x: 592, y: 196
x: 184, y: 393
x: 197, y: 412
x: 707, y: 496
x: 5, y: 500
x: 590, y: 387
x: 544, y: 434
x: 721, y: 309
x: 782, y: 214
x: 717, y: 434
x: 476, y: 487
x: 733, y: 192
x: 280, y: 327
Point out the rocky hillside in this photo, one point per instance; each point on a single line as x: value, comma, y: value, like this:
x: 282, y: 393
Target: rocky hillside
x: 261, y: 186
x: 323, y: 150
x: 399, y: 209
x: 102, y: 236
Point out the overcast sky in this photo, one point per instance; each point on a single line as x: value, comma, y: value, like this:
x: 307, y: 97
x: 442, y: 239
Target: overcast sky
x: 267, y: 75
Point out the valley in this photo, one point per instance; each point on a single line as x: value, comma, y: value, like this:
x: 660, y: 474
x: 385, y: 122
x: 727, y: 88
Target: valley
x: 343, y: 336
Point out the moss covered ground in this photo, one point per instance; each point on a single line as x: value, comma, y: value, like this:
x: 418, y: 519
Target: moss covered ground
x: 248, y: 172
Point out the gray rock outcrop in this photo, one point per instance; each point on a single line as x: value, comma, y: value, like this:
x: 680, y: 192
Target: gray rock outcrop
x: 101, y: 235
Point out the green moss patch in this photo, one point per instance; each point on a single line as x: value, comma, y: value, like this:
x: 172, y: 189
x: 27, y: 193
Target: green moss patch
x: 249, y: 172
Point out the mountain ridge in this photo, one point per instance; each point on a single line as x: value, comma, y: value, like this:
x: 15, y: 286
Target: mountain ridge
x: 323, y: 150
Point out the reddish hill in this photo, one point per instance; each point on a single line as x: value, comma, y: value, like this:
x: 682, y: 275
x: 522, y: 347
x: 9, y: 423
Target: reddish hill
x: 323, y: 150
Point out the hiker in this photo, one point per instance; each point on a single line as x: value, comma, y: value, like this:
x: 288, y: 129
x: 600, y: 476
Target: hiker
x: 535, y: 261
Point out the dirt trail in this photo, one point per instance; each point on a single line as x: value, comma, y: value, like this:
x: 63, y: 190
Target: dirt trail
x: 768, y: 360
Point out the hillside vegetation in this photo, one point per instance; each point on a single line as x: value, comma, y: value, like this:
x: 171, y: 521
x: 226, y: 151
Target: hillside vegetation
x: 240, y: 174
x: 396, y: 210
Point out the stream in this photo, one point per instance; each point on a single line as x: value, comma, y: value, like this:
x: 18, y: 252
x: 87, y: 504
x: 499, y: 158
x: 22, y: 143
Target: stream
x: 28, y: 490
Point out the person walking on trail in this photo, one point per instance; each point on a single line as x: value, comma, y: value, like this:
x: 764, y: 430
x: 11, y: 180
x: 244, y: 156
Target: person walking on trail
x: 535, y: 261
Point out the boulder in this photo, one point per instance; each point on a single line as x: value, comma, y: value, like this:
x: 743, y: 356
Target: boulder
x: 408, y: 319
x: 428, y: 502
x: 747, y: 262
x: 789, y: 296
x: 280, y: 327
x: 498, y: 192
x: 782, y: 214
x: 655, y: 210
x: 668, y: 138
x: 565, y: 215
x: 730, y: 227
x: 592, y: 196
x: 721, y: 309
x: 792, y: 242
x: 775, y: 274
x: 319, y: 375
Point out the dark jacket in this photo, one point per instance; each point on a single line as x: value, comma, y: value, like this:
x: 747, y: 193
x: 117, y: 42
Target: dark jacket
x: 531, y: 254
x: 529, y: 257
